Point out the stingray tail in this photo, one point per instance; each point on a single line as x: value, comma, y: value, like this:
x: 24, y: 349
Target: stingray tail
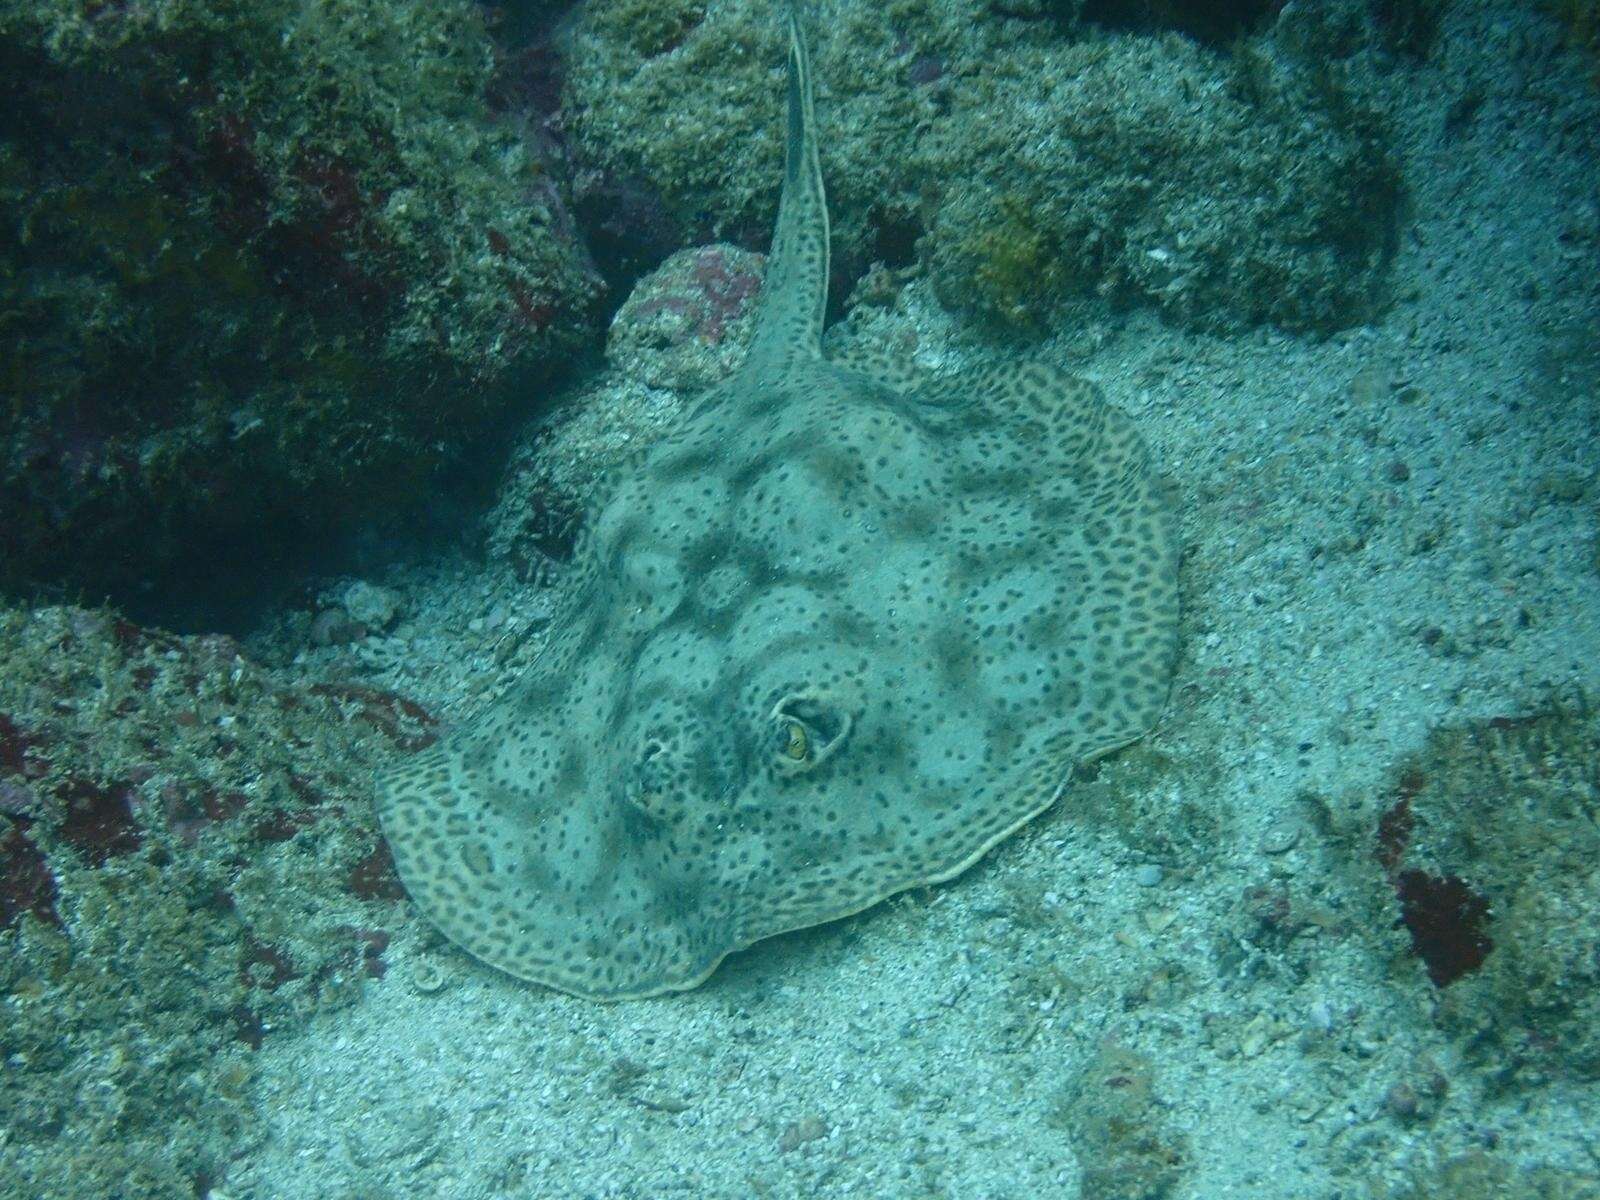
x: 796, y: 291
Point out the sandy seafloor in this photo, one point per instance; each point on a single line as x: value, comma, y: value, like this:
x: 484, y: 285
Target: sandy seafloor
x: 1384, y: 531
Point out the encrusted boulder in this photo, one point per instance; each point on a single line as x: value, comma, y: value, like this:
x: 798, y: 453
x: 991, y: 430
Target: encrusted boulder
x: 260, y: 276
x: 1226, y: 167
x: 687, y: 325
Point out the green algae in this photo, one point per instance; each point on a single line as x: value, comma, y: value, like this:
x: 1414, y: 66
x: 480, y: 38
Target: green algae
x: 1223, y: 192
x: 648, y: 27
x: 259, y: 261
x: 1579, y: 21
x: 1222, y: 187
x: 1119, y: 1131
x: 215, y: 882
x: 1507, y: 807
x: 699, y: 123
x: 1018, y: 265
x: 1480, y: 1176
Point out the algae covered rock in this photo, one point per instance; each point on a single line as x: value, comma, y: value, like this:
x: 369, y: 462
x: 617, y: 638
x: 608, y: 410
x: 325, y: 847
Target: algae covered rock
x: 261, y: 265
x: 688, y: 324
x: 1226, y: 175
x: 1490, y: 859
x: 693, y: 120
x: 1480, y: 1176
x: 1222, y: 191
x: 1120, y: 1132
x: 187, y: 864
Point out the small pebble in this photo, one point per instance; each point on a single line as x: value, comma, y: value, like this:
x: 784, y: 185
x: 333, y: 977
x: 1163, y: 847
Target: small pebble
x: 15, y: 799
x: 333, y: 627
x: 372, y: 606
x: 1147, y: 875
x: 1158, y: 920
x: 1370, y: 385
x: 1280, y: 837
x: 427, y: 976
x: 1404, y: 1102
x: 1563, y: 487
x: 798, y: 1133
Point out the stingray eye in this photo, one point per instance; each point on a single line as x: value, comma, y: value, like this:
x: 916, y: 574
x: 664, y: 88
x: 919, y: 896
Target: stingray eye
x: 807, y: 730
x: 798, y: 744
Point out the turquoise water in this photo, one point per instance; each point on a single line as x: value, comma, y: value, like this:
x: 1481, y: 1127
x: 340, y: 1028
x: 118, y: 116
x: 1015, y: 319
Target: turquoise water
x: 347, y: 353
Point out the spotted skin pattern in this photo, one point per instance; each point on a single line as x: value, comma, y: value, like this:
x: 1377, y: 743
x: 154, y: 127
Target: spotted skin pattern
x: 835, y: 637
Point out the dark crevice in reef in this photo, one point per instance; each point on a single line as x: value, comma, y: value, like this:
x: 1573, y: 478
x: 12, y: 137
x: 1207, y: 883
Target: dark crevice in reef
x: 226, y: 579
x: 1212, y: 22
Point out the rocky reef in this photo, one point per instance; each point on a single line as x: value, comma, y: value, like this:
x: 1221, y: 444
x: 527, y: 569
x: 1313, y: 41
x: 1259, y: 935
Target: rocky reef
x: 188, y: 861
x: 263, y: 268
x: 1228, y: 168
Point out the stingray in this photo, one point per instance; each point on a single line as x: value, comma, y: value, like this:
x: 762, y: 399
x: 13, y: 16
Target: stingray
x: 835, y: 636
